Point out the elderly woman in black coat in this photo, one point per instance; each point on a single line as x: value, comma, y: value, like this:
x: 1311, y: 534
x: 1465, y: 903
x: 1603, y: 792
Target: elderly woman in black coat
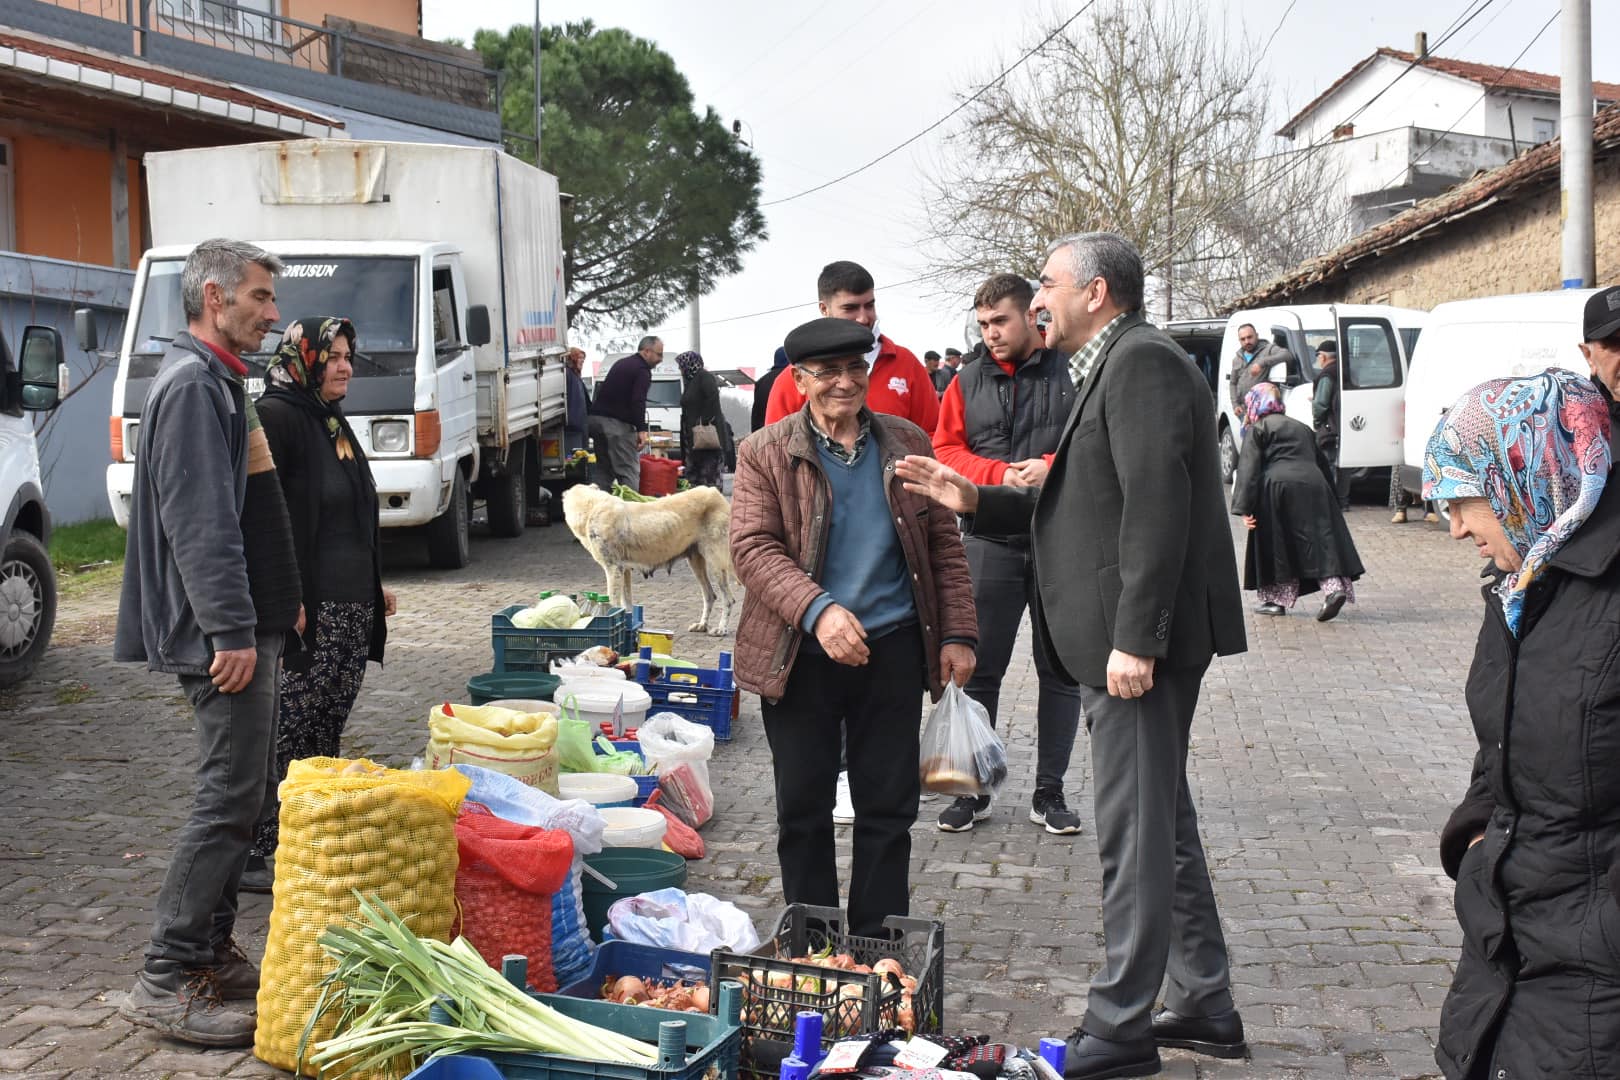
x: 1535, y: 843
x: 1298, y: 541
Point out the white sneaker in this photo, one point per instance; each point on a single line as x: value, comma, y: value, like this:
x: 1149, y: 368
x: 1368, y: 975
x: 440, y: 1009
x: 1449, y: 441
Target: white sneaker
x: 843, y: 805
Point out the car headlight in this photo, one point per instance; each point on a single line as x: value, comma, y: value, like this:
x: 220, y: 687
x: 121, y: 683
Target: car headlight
x: 390, y: 436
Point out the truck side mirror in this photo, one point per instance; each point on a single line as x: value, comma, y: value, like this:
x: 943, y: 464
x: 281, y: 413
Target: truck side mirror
x: 84, y: 328
x: 1279, y: 373
x: 41, y: 367
x: 478, y: 325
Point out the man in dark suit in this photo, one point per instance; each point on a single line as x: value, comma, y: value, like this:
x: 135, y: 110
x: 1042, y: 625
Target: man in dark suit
x: 1137, y: 588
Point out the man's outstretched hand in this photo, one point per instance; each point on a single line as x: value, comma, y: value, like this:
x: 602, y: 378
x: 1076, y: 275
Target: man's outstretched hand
x: 924, y: 475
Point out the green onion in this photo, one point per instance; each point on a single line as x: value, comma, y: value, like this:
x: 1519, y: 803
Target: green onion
x: 387, y: 979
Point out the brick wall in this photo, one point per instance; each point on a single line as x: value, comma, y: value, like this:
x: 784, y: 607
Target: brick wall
x: 1509, y: 247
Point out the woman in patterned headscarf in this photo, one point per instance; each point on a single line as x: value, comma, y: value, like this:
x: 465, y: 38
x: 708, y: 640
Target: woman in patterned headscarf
x: 332, y: 503
x: 1535, y: 843
x: 1298, y: 541
x: 700, y: 404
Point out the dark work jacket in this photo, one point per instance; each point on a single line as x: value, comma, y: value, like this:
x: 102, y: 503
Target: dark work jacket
x: 1325, y: 406
x: 622, y: 394
x: 1285, y: 482
x: 303, y: 450
x: 1132, y: 549
x: 1020, y: 416
x: 1540, y: 968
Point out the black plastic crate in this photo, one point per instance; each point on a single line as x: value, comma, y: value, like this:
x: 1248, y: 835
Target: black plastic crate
x: 775, y: 989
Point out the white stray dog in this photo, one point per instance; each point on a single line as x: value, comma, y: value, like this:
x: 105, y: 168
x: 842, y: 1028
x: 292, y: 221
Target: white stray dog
x: 625, y: 536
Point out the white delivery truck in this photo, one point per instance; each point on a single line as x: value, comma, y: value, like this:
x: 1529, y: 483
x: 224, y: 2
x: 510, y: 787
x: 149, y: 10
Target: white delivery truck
x: 1490, y: 337
x: 1375, y: 346
x: 448, y: 259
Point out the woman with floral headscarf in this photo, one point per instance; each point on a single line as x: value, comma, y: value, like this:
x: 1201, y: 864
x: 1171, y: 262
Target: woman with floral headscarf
x: 1535, y: 844
x: 700, y: 404
x: 1298, y: 541
x: 332, y: 502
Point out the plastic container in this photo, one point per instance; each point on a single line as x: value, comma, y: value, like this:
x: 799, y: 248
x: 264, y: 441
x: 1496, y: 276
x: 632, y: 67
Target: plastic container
x: 527, y: 705
x: 494, y: 685
x: 617, y: 958
x: 919, y: 945
x: 645, y: 785
x: 457, y: 1067
x: 706, y: 696
x: 517, y: 648
x: 582, y: 672
x: 633, y: 871
x: 633, y: 827
x: 595, y: 699
x: 601, y: 790
x: 659, y: 475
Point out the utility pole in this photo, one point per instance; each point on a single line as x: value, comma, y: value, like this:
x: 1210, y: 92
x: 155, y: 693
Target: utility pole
x: 1575, y: 142
x: 695, y: 322
x: 537, y: 109
x: 1170, y: 255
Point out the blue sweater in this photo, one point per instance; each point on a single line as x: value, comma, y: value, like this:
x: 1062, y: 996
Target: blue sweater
x: 866, y: 568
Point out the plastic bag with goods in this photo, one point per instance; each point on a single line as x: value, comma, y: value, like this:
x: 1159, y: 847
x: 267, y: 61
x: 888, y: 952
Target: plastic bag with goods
x: 347, y: 826
x: 960, y: 752
x: 679, y: 749
x: 679, y: 837
x: 505, y: 884
x: 523, y: 745
x: 691, y: 922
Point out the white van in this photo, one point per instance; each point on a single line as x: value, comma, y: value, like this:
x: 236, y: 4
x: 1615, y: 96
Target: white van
x: 1491, y: 337
x: 1375, y: 344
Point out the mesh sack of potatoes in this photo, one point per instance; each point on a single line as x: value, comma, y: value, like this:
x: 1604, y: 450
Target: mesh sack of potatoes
x: 522, y: 745
x: 350, y: 826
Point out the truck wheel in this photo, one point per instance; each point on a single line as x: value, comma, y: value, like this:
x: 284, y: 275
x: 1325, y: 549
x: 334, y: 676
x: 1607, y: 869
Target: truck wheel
x: 508, y: 502
x: 27, y: 606
x: 1229, y: 456
x: 447, y: 543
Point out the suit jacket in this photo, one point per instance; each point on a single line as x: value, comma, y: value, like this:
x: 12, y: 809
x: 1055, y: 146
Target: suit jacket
x: 1132, y: 546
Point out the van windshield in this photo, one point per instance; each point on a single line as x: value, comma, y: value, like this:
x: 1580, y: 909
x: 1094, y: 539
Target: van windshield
x: 378, y: 294
x: 665, y: 392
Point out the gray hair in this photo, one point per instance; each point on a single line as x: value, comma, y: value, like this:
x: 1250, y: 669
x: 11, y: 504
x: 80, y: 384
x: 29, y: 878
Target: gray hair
x: 221, y: 262
x: 648, y: 342
x: 1108, y: 256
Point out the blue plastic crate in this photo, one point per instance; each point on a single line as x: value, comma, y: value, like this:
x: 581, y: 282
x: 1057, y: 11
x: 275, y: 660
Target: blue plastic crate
x: 457, y: 1067
x: 616, y: 957
x: 712, y: 1043
x: 645, y: 785
x: 520, y: 649
x: 706, y: 696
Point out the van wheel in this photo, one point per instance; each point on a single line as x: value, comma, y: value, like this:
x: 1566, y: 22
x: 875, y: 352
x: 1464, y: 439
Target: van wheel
x: 27, y: 606
x: 447, y: 543
x: 508, y: 502
x: 1229, y: 456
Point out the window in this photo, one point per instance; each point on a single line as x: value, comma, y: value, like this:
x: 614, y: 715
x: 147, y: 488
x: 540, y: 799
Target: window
x: 446, y: 334
x: 1545, y: 129
x: 1409, y: 340
x: 1367, y: 357
x: 8, y: 217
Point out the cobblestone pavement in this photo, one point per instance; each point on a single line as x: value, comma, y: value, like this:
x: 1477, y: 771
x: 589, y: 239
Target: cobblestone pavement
x: 1324, y: 762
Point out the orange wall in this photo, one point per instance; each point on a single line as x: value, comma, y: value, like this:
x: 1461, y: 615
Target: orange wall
x: 63, y: 200
x: 397, y: 15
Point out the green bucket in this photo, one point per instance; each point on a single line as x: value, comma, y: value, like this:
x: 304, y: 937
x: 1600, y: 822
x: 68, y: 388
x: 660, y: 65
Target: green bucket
x: 496, y: 685
x: 632, y: 871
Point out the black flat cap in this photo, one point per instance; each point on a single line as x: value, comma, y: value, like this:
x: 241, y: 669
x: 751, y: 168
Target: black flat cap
x: 1602, y: 314
x: 1329, y: 346
x: 953, y: 352
x: 827, y: 339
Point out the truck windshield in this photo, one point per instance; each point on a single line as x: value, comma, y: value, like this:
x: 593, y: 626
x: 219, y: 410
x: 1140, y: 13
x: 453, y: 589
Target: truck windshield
x: 377, y: 294
x: 665, y: 392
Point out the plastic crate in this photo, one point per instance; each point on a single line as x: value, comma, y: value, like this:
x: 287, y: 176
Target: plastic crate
x: 711, y: 1043
x: 643, y: 961
x: 645, y: 785
x: 769, y: 1011
x: 520, y: 649
x: 457, y: 1067
x: 706, y: 696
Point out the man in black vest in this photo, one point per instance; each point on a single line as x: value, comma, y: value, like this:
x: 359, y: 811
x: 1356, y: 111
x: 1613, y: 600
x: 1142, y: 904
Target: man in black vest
x: 999, y: 421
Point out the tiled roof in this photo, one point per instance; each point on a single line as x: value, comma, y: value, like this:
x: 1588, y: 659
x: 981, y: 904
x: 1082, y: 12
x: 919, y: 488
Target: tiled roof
x: 1533, y: 172
x: 1488, y: 75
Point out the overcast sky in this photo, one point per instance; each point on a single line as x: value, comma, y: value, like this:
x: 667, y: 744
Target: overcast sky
x: 824, y: 87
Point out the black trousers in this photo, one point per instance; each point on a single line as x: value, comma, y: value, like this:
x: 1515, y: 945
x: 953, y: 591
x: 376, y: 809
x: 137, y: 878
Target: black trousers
x: 878, y: 710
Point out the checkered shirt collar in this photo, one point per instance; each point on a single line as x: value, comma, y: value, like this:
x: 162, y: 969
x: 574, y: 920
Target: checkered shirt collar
x: 1081, y: 363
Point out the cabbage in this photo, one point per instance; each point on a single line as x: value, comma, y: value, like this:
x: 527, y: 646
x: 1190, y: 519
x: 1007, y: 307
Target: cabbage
x: 552, y: 613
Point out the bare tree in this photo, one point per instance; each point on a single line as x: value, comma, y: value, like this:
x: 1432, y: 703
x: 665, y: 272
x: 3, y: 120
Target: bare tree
x: 1147, y: 121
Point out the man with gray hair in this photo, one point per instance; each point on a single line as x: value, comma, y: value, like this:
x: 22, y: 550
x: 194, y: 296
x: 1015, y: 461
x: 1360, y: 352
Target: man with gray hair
x: 619, y: 415
x: 210, y: 592
x: 1136, y: 589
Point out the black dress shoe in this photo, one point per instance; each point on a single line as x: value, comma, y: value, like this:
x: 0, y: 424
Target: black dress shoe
x: 1219, y: 1036
x: 1270, y: 609
x: 1091, y: 1057
x: 1331, y: 606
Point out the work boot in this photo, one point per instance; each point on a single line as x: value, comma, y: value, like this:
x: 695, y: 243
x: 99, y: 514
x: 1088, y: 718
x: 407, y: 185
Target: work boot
x: 237, y: 976
x: 185, y: 1004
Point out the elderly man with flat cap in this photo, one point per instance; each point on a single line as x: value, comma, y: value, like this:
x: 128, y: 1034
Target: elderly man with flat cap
x: 859, y: 598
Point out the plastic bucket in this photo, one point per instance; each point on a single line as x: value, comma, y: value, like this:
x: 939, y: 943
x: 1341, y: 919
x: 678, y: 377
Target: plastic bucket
x: 595, y: 700
x: 601, y: 790
x: 526, y: 705
x: 632, y: 827
x: 581, y: 672
x: 495, y: 685
x: 633, y: 871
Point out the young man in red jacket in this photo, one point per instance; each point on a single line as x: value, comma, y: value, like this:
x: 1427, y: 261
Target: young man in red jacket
x: 999, y: 421
x: 898, y: 385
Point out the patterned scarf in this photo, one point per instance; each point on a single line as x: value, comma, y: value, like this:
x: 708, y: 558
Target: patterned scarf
x: 1538, y: 449
x: 690, y: 364
x: 1263, y: 399
x: 300, y: 364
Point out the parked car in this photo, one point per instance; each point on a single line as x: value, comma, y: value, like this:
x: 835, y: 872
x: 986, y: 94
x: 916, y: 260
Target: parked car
x: 1491, y: 337
x: 29, y: 384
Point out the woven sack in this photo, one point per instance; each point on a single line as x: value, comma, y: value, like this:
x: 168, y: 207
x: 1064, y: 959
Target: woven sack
x: 490, y: 737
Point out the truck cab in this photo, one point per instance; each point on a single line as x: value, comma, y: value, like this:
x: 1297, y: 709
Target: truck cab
x: 31, y: 381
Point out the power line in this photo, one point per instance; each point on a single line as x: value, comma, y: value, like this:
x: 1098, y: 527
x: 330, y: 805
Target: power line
x: 794, y: 307
x: 970, y: 100
x: 1289, y: 10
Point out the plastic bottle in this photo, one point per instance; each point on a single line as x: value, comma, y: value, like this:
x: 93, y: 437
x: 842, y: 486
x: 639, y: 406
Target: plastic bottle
x: 806, y: 1047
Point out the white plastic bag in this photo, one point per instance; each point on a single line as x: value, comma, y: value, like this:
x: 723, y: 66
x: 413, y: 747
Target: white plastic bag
x: 960, y: 753
x: 668, y: 742
x: 512, y: 799
x: 691, y: 922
